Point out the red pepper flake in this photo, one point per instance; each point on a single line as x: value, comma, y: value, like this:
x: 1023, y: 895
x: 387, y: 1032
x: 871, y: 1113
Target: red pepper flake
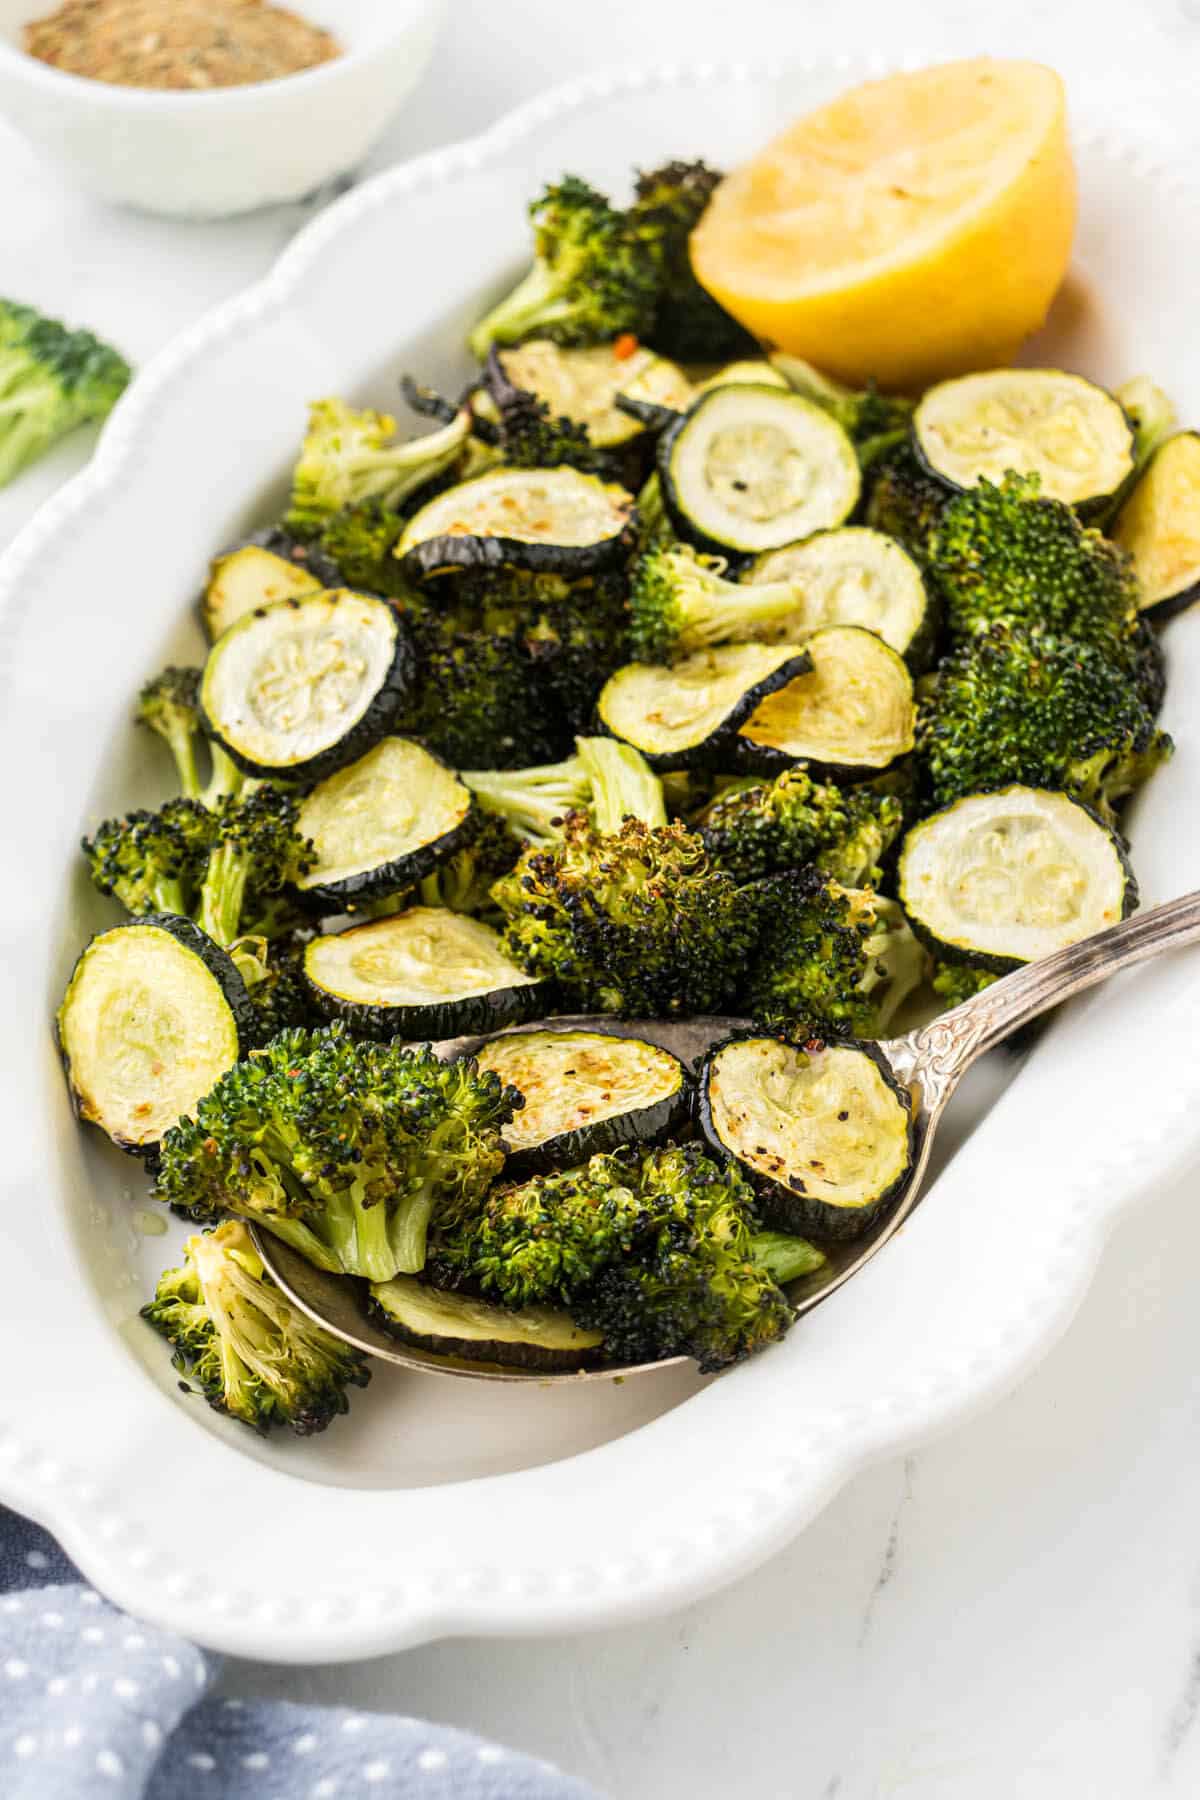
x: 625, y: 346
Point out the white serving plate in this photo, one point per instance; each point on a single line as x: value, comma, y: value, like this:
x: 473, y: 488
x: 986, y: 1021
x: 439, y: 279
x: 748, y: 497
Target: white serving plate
x: 447, y: 1507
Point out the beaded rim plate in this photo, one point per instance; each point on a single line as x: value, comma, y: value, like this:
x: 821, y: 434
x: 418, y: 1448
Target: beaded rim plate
x: 451, y: 1507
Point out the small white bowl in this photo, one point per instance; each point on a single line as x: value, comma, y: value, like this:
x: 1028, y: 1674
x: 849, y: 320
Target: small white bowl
x: 224, y: 150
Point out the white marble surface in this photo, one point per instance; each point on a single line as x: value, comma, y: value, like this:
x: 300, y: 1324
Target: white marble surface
x: 1012, y: 1613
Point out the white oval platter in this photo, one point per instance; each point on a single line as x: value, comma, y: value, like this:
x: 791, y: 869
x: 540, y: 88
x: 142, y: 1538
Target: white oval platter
x: 444, y: 1507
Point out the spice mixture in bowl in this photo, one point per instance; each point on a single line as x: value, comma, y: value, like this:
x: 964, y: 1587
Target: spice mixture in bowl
x: 178, y: 43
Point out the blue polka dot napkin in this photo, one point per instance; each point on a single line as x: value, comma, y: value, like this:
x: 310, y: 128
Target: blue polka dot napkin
x: 94, y: 1703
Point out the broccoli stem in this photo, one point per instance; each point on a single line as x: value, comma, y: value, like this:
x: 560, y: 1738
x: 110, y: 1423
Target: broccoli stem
x: 534, y: 801
x: 304, y: 1241
x: 536, y: 300
x: 623, y: 785
x: 727, y: 612
x: 409, y: 1230
x: 785, y: 1258
x: 223, y: 893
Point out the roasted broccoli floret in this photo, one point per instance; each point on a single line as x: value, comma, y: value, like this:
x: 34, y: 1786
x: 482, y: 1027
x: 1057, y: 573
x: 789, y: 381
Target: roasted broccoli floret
x: 478, y: 702
x: 279, y: 995
x: 1149, y: 666
x: 591, y: 278
x: 955, y: 982
x: 51, y: 380
x: 342, y: 1149
x: 1006, y: 553
x: 348, y: 457
x: 759, y: 828
x: 636, y: 920
x: 576, y: 638
x: 170, y: 706
x: 688, y: 323
x: 533, y: 803
x: 653, y: 1248
x: 680, y: 600
x: 831, y: 959
x: 1014, y: 704
x: 905, y: 501
x: 875, y: 423
x: 224, y: 854
x: 360, y: 541
x: 654, y: 527
x: 248, y: 1348
x: 153, y: 862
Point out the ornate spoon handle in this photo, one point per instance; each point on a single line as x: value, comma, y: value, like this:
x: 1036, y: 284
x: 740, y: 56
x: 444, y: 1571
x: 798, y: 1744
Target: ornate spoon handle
x: 939, y: 1053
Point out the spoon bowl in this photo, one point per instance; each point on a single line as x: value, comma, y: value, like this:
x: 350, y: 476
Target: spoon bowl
x: 929, y: 1062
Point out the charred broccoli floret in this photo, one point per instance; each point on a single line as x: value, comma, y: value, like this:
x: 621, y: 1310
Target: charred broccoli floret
x: 248, y: 1348
x: 576, y: 638
x: 591, y: 279
x: 478, y: 702
x: 52, y: 379
x: 653, y: 1248
x: 694, y: 1286
x: 348, y: 457
x: 875, y: 423
x: 831, y: 959
x: 1149, y: 666
x: 1006, y: 553
x: 153, y: 862
x: 688, y: 323
x: 279, y: 995
x: 464, y: 881
x: 1014, y: 704
x: 343, y: 1149
x: 761, y: 828
x: 636, y: 921
x: 680, y: 600
x: 905, y: 501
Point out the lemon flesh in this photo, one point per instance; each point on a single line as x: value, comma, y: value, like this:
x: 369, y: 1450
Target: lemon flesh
x: 913, y: 228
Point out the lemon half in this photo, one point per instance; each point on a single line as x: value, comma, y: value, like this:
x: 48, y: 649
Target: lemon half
x: 914, y: 228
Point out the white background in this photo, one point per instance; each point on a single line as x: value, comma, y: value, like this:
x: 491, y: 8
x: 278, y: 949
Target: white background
x: 1013, y: 1613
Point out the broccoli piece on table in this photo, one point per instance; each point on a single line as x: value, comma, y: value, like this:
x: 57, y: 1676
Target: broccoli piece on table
x: 680, y: 600
x: 655, y: 1248
x: 248, y: 1348
x: 634, y: 919
x: 955, y: 982
x: 875, y: 423
x: 1007, y: 553
x: 905, y: 501
x: 348, y: 458
x: 688, y: 323
x: 591, y: 279
x: 342, y: 1149
x: 51, y: 380
x: 764, y: 827
x: 831, y: 960
x: 1014, y: 704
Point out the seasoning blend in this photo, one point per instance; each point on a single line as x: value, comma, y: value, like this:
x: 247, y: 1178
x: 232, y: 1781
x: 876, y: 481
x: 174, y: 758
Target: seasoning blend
x: 179, y: 44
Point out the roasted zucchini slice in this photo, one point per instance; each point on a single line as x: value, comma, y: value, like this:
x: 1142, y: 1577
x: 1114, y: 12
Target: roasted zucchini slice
x: 244, y: 579
x: 852, y: 714
x: 423, y: 973
x: 154, y: 1014
x: 384, y: 822
x: 1159, y: 526
x: 755, y: 371
x: 1003, y: 878
x: 1074, y: 436
x: 585, y: 1092
x: 752, y: 466
x: 458, y: 1325
x: 539, y: 519
x: 824, y: 1132
x: 302, y: 687
x: 854, y: 576
x: 685, y: 714
x: 583, y: 384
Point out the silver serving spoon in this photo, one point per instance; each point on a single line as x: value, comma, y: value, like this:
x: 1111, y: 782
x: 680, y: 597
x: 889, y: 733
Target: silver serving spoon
x: 930, y: 1061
